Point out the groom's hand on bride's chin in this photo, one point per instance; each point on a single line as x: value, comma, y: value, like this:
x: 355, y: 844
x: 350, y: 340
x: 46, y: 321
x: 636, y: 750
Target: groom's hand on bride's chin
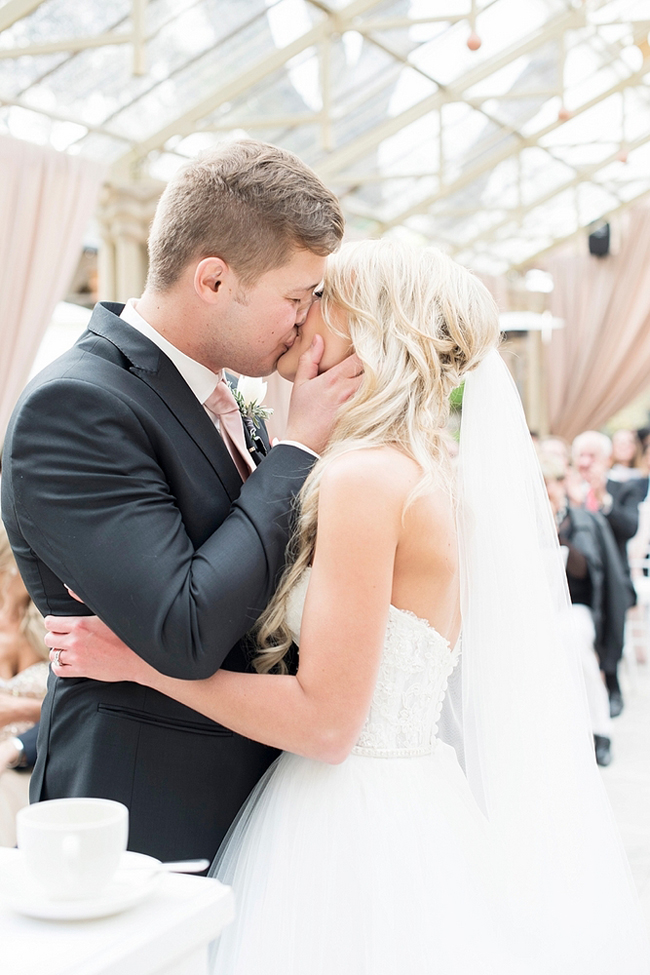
x: 316, y: 399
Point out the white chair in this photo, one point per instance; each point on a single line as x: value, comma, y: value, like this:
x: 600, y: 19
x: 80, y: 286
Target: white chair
x: 636, y: 649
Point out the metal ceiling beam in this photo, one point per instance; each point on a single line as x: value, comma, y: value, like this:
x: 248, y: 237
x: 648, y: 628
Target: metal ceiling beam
x: 491, y: 161
x: 361, y: 179
x: 138, y: 17
x: 340, y: 20
x: 15, y: 10
x: 74, y: 44
x: 396, y: 23
x: 342, y: 158
x: 68, y: 44
x: 266, y: 122
x: 400, y: 23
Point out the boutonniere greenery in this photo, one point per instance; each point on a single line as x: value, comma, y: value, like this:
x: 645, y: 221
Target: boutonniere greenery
x: 249, y: 394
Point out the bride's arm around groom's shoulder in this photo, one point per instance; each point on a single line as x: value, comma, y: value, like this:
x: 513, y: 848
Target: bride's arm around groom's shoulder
x: 319, y: 712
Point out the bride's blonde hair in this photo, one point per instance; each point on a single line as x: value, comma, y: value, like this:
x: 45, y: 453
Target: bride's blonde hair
x: 418, y: 322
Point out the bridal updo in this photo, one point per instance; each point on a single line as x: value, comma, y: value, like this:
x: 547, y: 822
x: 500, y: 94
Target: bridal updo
x: 418, y: 322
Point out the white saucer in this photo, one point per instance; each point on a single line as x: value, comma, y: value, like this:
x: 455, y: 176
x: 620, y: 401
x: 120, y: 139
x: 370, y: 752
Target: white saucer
x: 136, y: 878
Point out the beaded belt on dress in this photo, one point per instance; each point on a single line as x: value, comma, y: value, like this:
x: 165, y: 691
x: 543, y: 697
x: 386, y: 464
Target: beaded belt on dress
x: 369, y: 752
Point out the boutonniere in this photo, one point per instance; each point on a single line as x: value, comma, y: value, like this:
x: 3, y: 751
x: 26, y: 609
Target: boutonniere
x: 249, y: 395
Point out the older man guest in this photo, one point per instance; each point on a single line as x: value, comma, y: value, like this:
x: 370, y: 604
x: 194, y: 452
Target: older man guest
x: 586, y: 569
x: 618, y: 502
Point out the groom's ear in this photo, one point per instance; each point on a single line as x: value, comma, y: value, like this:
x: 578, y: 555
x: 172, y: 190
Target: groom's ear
x: 211, y: 279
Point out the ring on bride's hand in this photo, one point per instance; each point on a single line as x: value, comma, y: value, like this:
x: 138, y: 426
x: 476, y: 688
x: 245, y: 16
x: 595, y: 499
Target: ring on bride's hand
x: 57, y: 658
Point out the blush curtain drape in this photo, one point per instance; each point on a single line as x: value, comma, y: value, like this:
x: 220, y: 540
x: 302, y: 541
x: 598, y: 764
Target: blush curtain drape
x: 600, y: 361
x: 46, y: 201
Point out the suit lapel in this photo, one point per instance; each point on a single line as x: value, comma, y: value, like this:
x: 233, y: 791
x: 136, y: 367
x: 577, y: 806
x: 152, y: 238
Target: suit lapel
x: 154, y: 368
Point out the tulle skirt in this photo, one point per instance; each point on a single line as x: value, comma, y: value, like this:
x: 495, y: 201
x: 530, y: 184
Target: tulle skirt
x: 371, y: 867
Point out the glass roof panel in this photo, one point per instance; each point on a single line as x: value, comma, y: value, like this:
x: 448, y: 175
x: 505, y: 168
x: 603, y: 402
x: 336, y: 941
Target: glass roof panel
x: 17, y: 74
x: 98, y: 146
x: 54, y: 20
x: 593, y: 201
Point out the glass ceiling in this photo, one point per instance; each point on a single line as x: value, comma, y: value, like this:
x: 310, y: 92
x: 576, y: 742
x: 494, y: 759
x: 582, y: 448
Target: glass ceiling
x: 496, y: 154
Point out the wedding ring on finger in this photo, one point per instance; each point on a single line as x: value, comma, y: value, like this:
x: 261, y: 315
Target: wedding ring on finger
x: 57, y: 658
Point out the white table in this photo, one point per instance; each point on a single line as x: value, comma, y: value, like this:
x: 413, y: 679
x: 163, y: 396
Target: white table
x: 167, y: 934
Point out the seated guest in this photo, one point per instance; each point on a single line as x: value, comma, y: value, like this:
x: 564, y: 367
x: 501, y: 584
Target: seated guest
x: 618, y: 502
x: 23, y: 678
x: 580, y: 541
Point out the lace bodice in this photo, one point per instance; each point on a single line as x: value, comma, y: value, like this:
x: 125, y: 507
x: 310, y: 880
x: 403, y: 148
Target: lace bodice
x: 415, y: 667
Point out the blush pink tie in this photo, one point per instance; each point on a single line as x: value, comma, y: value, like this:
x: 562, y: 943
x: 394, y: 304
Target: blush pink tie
x: 223, y: 405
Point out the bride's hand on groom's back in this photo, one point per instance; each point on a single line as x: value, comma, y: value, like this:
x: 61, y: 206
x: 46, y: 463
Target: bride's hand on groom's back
x: 83, y: 646
x: 316, y: 399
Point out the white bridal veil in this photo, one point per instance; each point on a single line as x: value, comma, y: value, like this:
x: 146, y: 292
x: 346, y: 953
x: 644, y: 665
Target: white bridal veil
x: 528, y: 750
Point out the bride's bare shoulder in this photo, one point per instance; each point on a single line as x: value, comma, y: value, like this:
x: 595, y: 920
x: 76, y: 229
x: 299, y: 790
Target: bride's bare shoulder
x: 360, y: 490
x: 382, y: 473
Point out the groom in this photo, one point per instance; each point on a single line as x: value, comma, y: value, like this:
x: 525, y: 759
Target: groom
x: 129, y: 477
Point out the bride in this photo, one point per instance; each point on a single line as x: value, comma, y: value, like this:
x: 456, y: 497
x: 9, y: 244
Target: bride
x: 371, y: 845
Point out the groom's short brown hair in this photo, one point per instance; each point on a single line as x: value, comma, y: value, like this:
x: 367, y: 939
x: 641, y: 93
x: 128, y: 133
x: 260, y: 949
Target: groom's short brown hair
x: 250, y: 203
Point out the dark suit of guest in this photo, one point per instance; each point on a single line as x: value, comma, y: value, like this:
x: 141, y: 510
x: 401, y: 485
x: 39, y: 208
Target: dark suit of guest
x: 623, y: 516
x: 584, y: 568
x: 611, y: 589
x: 117, y: 483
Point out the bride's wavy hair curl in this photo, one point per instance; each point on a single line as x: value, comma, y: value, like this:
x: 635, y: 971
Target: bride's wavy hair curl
x: 418, y: 322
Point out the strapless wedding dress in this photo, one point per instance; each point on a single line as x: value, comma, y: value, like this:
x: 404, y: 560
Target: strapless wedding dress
x: 375, y: 866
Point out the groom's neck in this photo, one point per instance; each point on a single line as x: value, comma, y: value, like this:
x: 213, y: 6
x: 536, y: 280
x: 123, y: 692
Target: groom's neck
x: 168, y: 313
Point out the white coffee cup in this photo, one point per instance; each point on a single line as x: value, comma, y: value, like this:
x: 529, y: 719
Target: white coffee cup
x: 72, y: 847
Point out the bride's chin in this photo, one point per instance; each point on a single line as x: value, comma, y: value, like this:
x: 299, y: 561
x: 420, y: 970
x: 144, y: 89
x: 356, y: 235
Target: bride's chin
x: 285, y: 369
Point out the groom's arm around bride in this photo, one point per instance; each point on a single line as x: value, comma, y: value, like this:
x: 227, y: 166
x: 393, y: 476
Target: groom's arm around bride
x: 117, y: 483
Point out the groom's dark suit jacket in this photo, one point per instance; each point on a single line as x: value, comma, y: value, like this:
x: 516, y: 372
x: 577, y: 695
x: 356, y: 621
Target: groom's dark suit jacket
x: 116, y: 483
